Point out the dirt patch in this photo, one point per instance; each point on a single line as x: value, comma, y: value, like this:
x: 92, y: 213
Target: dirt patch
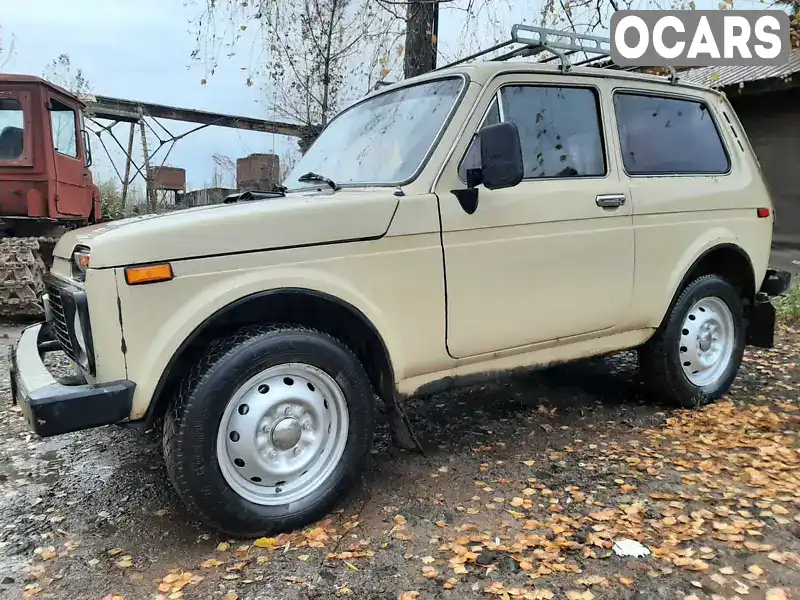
x: 524, y: 488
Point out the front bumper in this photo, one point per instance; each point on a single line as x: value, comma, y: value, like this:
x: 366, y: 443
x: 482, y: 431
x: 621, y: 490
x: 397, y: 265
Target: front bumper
x: 52, y: 408
x: 762, y: 317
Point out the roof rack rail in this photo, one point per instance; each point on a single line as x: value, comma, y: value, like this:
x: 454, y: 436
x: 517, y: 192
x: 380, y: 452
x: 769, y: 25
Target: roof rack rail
x: 532, y: 41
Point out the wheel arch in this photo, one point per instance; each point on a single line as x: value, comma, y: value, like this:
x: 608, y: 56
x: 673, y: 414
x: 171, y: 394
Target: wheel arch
x: 726, y: 259
x: 299, y: 306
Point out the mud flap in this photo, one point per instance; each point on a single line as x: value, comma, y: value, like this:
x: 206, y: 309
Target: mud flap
x: 403, y: 435
x: 761, y: 323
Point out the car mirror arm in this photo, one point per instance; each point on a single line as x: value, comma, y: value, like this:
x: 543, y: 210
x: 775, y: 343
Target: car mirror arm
x: 468, y: 198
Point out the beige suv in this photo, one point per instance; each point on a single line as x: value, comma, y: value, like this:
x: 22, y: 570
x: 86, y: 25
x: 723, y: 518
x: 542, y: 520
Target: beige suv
x: 472, y: 221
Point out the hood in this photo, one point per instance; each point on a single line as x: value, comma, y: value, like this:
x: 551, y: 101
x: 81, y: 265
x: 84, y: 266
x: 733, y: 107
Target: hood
x: 299, y: 219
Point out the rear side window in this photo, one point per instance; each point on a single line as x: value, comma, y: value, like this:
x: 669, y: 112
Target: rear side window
x: 668, y: 136
x: 11, y: 126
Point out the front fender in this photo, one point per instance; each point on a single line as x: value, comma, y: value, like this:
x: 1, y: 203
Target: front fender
x: 188, y: 301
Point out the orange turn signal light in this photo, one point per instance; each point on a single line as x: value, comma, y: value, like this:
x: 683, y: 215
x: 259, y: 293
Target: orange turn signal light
x: 148, y: 274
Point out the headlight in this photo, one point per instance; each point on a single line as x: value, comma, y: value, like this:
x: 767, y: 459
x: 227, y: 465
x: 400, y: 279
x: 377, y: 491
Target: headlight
x: 80, y: 262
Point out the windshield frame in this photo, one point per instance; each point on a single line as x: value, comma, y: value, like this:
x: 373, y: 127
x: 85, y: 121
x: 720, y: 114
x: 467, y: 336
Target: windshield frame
x: 465, y: 81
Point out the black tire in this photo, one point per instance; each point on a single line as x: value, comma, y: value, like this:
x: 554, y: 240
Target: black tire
x: 659, y: 358
x: 192, y: 421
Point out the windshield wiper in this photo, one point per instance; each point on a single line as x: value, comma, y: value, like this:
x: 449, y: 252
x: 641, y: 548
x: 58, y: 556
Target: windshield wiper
x: 310, y: 176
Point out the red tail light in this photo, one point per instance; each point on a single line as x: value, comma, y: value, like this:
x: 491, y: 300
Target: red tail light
x: 762, y: 213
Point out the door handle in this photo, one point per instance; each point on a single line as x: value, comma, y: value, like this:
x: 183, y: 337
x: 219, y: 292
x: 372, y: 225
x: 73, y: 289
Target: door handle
x: 610, y: 200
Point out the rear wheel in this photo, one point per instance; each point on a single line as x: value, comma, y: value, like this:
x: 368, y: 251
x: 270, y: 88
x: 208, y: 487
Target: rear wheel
x: 269, y: 431
x: 694, y: 356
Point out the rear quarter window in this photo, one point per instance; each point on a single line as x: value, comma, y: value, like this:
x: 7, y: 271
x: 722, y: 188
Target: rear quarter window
x: 661, y: 135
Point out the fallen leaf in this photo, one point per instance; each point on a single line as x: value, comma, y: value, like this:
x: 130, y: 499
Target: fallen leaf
x: 211, y: 562
x: 125, y: 562
x: 755, y: 570
x: 351, y: 566
x: 603, y: 515
x: 408, y: 596
x: 778, y: 557
x: 429, y: 572
x: 427, y: 559
x: 726, y: 570
x: 262, y: 542
x: 776, y: 594
x: 756, y: 547
x: 223, y: 546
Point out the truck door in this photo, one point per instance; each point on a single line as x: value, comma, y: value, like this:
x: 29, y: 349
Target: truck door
x: 72, y: 177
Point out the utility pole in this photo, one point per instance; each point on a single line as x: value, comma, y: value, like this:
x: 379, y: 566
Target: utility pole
x: 422, y: 36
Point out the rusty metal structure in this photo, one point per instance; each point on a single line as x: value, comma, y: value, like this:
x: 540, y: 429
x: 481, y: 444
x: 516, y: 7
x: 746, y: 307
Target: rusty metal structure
x: 149, y: 116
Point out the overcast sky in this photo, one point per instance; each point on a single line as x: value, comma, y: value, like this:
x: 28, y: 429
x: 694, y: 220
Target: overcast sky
x: 140, y: 50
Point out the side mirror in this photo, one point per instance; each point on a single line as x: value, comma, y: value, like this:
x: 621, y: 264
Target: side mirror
x: 501, y: 156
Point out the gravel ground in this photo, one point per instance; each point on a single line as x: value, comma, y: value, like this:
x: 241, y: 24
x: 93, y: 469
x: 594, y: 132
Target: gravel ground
x: 524, y: 487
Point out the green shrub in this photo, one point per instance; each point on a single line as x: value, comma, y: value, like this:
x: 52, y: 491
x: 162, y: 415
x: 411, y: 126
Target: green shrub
x: 788, y: 306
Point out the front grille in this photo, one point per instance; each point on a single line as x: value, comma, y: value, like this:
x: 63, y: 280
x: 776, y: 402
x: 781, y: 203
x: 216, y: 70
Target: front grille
x: 61, y: 328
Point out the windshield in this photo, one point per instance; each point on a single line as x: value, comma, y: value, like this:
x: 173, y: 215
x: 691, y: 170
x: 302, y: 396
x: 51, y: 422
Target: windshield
x: 11, y: 123
x: 382, y: 140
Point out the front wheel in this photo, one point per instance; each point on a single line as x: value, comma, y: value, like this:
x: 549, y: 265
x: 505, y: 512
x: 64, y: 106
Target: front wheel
x: 269, y: 431
x: 694, y: 356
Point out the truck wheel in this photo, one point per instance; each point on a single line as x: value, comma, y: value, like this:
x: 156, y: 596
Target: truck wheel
x: 269, y: 430
x: 694, y: 356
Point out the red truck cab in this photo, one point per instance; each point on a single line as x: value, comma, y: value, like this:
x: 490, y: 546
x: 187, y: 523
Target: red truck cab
x: 44, y: 156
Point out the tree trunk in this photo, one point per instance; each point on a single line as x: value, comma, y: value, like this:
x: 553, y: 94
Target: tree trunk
x: 422, y: 23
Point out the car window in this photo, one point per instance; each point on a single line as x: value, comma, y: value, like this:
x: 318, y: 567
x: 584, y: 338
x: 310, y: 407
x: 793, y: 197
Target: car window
x: 472, y: 159
x: 62, y: 119
x: 384, y: 139
x: 559, y: 129
x: 668, y: 136
x: 11, y: 129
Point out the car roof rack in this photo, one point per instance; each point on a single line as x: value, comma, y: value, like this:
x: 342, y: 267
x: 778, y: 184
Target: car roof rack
x: 528, y: 41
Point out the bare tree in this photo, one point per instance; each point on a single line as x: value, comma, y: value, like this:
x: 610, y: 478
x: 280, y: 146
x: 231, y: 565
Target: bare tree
x: 61, y: 72
x: 224, y: 171
x: 312, y: 51
x: 7, y: 43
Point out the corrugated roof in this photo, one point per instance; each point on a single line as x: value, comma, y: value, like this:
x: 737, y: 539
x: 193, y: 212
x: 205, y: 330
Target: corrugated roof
x: 728, y: 76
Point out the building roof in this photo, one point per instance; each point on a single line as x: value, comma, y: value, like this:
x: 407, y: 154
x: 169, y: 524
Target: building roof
x: 723, y: 77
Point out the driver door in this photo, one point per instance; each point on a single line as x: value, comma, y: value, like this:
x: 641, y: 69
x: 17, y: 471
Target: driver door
x: 72, y: 176
x: 551, y: 257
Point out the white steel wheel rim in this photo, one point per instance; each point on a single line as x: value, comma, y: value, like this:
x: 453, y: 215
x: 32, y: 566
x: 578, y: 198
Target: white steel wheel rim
x: 282, y: 434
x: 707, y: 340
